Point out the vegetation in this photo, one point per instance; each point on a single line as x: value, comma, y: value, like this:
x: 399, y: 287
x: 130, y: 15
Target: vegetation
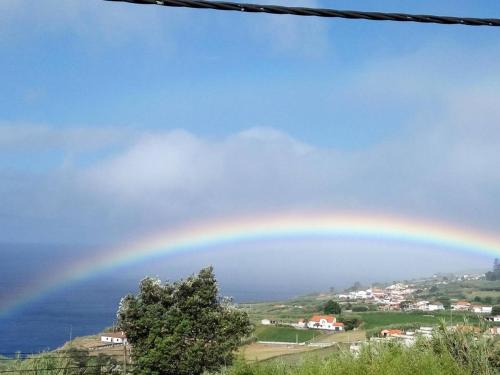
x: 350, y: 322
x: 284, y: 334
x: 495, y: 273
x: 448, y: 352
x: 332, y: 307
x: 69, y: 362
x: 495, y: 310
x: 183, y: 327
x: 385, y: 319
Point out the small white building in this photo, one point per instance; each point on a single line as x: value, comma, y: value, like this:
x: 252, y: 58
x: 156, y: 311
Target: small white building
x: 300, y: 324
x: 460, y: 306
x: 327, y: 322
x: 265, y: 322
x: 480, y: 309
x: 114, y: 337
x: 435, y: 307
x: 495, y: 318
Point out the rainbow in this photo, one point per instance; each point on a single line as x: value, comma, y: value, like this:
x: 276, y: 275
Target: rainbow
x: 216, y: 233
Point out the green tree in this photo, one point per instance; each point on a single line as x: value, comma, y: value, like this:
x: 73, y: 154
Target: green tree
x: 495, y: 273
x: 495, y: 310
x: 332, y: 307
x: 403, y: 305
x: 445, y: 301
x: 350, y: 322
x: 183, y: 327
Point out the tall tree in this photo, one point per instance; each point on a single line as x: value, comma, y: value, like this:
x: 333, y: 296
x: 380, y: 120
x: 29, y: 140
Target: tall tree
x: 332, y: 307
x: 183, y: 327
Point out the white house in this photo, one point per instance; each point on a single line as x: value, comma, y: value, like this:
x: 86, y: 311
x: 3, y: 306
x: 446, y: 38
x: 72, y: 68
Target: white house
x: 265, y: 322
x: 435, y: 307
x: 328, y: 322
x: 479, y: 309
x: 420, y: 305
x: 300, y: 324
x: 114, y: 337
x: 460, y: 306
x: 495, y: 318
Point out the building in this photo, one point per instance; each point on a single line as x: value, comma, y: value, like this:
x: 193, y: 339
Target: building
x: 114, y: 337
x: 300, y: 324
x: 495, y: 318
x: 390, y: 332
x: 327, y: 322
x: 434, y: 307
x: 461, y: 306
x: 480, y: 309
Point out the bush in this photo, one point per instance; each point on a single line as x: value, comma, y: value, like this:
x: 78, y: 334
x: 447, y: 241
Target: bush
x: 332, y: 307
x: 448, y: 353
x: 359, y: 308
x: 350, y: 322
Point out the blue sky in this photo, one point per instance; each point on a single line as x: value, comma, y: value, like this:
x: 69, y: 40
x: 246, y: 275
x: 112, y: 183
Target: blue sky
x: 99, y: 64
x: 118, y: 120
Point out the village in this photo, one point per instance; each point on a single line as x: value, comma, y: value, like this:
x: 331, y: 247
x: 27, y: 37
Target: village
x: 400, y: 312
x: 399, y: 297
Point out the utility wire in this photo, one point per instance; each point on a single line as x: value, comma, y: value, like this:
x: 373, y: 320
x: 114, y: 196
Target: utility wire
x: 319, y: 12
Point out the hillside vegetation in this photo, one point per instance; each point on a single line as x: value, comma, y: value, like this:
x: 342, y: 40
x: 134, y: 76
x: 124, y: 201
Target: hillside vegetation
x: 446, y: 353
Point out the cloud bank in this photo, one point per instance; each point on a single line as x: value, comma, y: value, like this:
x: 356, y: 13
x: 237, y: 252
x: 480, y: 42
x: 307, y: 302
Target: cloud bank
x: 122, y: 183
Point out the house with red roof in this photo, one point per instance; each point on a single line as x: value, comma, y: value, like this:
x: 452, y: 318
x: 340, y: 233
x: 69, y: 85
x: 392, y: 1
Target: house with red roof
x: 327, y: 322
x: 391, y: 332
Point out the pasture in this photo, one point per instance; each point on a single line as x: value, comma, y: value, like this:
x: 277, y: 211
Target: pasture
x: 285, y: 334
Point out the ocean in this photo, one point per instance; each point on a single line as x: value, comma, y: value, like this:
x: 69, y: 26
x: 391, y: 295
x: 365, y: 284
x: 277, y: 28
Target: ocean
x: 77, y: 309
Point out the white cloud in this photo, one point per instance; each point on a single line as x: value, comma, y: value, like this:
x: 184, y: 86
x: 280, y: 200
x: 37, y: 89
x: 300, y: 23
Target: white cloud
x: 100, y: 24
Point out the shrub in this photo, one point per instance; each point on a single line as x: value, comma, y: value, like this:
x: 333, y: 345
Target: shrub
x: 359, y: 308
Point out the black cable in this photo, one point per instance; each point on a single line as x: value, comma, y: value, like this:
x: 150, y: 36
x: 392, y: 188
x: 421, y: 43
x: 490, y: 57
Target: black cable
x: 318, y: 12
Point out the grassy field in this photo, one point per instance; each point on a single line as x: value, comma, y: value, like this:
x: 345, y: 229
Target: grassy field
x: 261, y: 352
x: 345, y: 337
x: 286, y: 311
x: 284, y: 334
x: 381, y: 319
x: 296, y: 358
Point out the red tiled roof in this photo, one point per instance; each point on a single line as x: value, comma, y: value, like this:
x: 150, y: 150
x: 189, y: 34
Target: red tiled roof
x: 391, y: 331
x: 328, y: 318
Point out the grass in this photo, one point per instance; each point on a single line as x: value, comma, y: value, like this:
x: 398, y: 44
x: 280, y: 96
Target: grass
x: 300, y: 357
x: 261, y: 352
x: 345, y: 337
x: 447, y: 352
x: 285, y: 334
x: 382, y: 319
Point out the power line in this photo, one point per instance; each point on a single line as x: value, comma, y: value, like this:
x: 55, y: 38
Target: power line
x: 319, y: 12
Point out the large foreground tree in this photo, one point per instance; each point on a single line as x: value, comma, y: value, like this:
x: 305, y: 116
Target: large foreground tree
x: 182, y: 327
